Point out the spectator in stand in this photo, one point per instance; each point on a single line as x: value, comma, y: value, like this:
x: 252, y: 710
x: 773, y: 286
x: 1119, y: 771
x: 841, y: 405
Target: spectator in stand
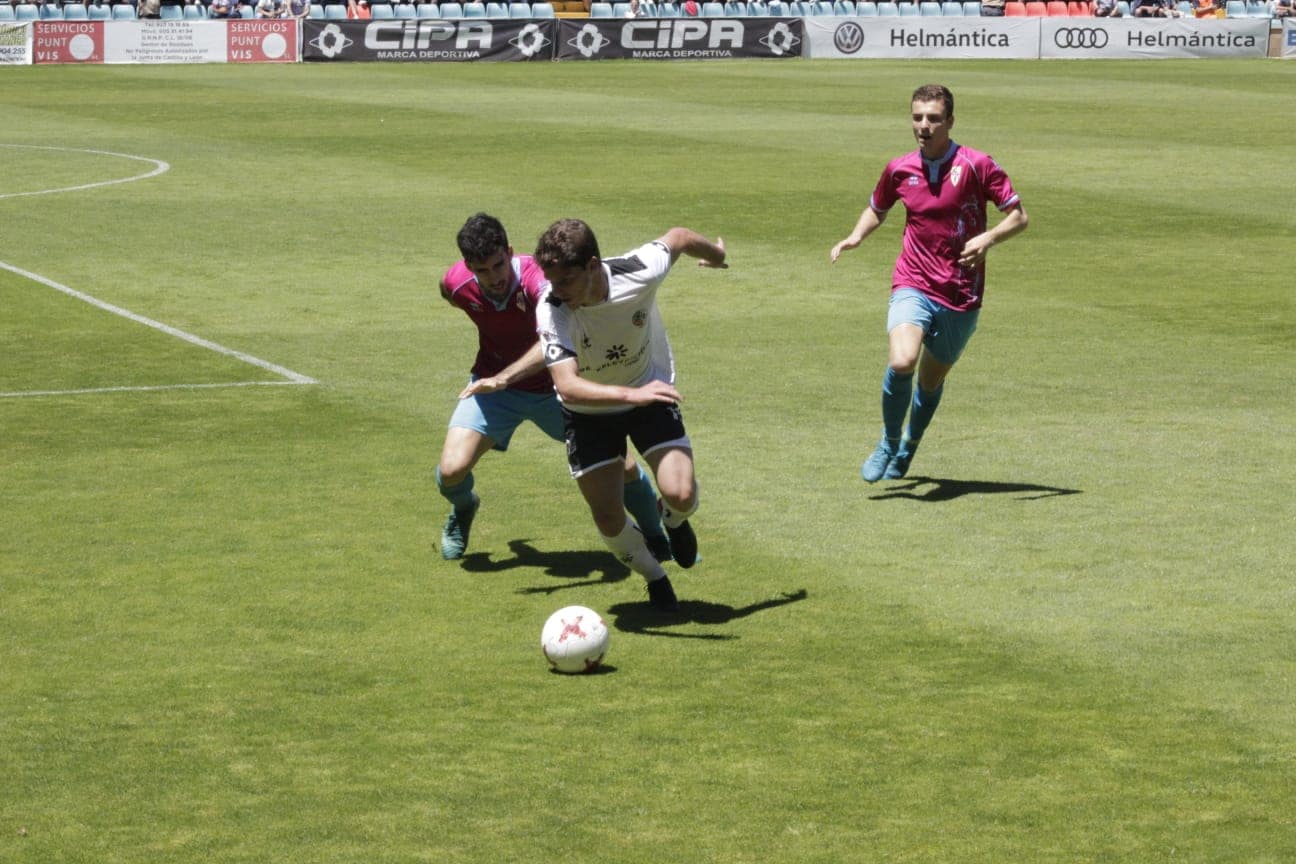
x: 358, y: 9
x: 149, y: 8
x: 296, y: 9
x: 690, y: 9
x: 220, y: 9
x: 1106, y: 9
x: 268, y: 9
x: 1154, y: 9
x: 992, y: 8
x: 1283, y: 9
x: 632, y: 10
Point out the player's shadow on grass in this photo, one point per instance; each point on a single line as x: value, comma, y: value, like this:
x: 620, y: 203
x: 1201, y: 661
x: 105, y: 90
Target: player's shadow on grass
x: 642, y: 618
x: 589, y: 566
x: 948, y: 490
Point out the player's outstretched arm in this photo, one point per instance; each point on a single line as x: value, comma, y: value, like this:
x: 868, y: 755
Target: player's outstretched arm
x: 685, y: 241
x: 868, y: 222
x: 581, y: 391
x: 524, y: 367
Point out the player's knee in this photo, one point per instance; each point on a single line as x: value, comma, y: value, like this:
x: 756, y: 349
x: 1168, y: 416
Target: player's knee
x: 452, y: 471
x: 903, y: 363
x: 610, y: 522
x: 681, y: 498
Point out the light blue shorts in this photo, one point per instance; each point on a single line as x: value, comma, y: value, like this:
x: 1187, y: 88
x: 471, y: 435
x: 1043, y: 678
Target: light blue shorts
x: 945, y: 331
x: 497, y: 415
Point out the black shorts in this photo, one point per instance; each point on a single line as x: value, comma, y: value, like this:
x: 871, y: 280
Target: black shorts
x: 595, y: 440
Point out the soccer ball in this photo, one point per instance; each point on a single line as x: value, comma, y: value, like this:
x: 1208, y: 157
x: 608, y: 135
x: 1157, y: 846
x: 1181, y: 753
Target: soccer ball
x: 574, y: 639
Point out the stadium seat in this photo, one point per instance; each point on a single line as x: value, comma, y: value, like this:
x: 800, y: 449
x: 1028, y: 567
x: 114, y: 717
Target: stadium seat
x: 198, y: 12
x: 757, y: 9
x: 1036, y: 9
x: 1080, y: 9
x: 930, y: 9
x: 26, y: 12
x: 51, y: 12
x: 972, y: 8
x: 822, y: 8
x: 171, y: 13
x: 668, y: 9
x: 74, y: 12
x: 477, y: 9
x: 493, y: 10
x: 123, y: 12
x: 712, y: 9
x: 866, y: 9
x: 735, y: 8
x: 1235, y: 9
x: 333, y: 12
x: 427, y: 10
x: 1015, y: 9
x: 405, y: 10
x: 1056, y: 9
x: 1257, y: 9
x: 844, y: 7
x: 98, y: 12
x: 6, y: 12
x: 952, y: 9
x: 542, y: 10
x: 887, y: 9
x: 519, y: 10
x: 600, y: 10
x: 382, y: 11
x: 908, y: 10
x: 451, y: 10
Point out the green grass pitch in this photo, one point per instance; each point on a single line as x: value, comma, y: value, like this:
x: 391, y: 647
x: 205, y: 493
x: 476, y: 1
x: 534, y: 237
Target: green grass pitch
x: 226, y: 634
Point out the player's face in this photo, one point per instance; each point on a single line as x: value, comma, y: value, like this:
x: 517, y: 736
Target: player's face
x: 577, y: 286
x: 494, y: 274
x: 931, y: 128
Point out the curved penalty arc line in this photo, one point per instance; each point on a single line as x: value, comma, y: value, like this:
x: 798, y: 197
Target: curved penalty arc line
x: 159, y: 167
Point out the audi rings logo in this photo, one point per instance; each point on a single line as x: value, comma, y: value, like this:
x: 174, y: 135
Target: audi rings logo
x: 849, y: 37
x: 1080, y: 37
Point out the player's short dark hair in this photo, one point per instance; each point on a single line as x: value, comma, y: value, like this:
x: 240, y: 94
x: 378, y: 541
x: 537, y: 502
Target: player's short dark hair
x: 935, y: 93
x: 481, y: 237
x: 566, y: 243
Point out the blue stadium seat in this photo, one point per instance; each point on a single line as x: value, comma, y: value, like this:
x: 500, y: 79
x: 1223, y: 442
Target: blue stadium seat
x: 382, y: 11
x: 51, y: 12
x: 26, y: 12
x: 1258, y: 9
x: 542, y: 9
x: 98, y: 12
x: 972, y: 8
x: 930, y: 9
x: 887, y: 9
x: 171, y: 13
x: 6, y: 12
x: 123, y: 12
x: 451, y: 10
x: 494, y: 9
x: 712, y: 9
x: 600, y: 10
x: 474, y: 9
x: 844, y: 7
x: 908, y: 10
x: 334, y: 12
x: 405, y: 10
x: 74, y: 12
x: 735, y: 8
x: 198, y: 12
x: 758, y: 9
x: 866, y: 9
x: 428, y: 10
x: 519, y: 10
x: 668, y: 9
x: 952, y: 9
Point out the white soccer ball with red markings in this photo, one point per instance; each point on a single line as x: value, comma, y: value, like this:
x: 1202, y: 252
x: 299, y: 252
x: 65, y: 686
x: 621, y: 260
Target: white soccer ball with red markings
x: 574, y: 639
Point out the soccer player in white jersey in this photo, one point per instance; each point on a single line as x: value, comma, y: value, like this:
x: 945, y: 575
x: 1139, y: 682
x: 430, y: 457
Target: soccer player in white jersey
x: 613, y: 369
x: 500, y: 292
x: 939, y: 278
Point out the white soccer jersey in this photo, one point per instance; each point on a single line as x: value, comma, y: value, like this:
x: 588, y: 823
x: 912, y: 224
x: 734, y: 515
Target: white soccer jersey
x: 621, y: 340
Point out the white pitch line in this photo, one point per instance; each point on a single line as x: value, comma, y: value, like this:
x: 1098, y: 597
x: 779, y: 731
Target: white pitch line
x: 148, y: 389
x: 294, y: 377
x: 159, y: 167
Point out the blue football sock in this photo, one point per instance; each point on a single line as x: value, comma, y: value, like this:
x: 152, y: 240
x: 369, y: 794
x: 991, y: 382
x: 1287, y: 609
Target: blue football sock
x: 896, y: 389
x: 924, y: 406
x: 641, y: 501
x: 460, y: 496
